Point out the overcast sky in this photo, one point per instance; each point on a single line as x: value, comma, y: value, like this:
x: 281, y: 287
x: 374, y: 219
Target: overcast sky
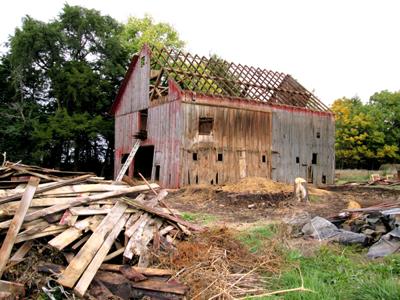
x: 336, y: 48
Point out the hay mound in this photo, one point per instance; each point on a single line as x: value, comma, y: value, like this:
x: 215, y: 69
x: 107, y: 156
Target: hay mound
x: 257, y: 185
x: 215, y: 264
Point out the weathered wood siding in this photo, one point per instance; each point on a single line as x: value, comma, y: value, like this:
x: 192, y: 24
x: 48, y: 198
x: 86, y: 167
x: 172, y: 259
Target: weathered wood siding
x: 295, y: 135
x: 136, y: 94
x: 242, y: 137
x: 134, y: 99
x: 164, y: 127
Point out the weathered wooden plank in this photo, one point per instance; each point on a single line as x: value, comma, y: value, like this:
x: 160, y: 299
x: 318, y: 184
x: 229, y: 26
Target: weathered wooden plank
x: 54, y: 229
x: 87, y: 188
x: 161, y: 286
x: 46, y: 188
x: 137, y: 233
x: 78, y: 265
x: 144, y: 271
x: 58, y: 269
x: 16, y: 223
x: 71, y: 234
x: 98, y: 259
x: 17, y: 290
x: 161, y: 214
x: 38, y: 175
x: 21, y: 252
x: 114, y: 254
x: 80, y: 200
x: 80, y: 242
x: 87, y: 211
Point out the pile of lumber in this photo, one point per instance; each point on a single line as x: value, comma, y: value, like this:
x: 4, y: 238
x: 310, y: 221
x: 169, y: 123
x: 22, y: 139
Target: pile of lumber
x: 92, y: 221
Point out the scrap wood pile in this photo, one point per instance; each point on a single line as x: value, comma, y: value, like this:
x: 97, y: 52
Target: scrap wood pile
x: 91, y: 221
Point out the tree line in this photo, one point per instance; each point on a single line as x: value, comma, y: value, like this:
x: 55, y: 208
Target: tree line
x: 367, y: 134
x: 58, y: 80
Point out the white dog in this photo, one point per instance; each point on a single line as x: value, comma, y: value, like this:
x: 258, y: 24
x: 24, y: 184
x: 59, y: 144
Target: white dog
x: 300, y: 189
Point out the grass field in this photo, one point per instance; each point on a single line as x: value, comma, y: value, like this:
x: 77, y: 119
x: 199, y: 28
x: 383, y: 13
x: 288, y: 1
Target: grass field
x: 331, y: 271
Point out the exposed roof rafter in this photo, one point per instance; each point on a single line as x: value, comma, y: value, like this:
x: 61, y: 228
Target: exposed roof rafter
x: 216, y: 77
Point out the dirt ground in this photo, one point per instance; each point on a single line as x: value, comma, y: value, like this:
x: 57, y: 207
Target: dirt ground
x: 266, y: 201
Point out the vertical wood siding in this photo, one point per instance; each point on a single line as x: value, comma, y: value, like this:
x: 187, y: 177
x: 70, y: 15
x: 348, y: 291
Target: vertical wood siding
x: 136, y: 95
x: 240, y: 135
x: 165, y: 133
x: 294, y: 134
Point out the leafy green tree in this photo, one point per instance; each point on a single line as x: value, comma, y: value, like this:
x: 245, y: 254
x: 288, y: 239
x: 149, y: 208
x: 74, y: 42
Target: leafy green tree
x: 58, y: 82
x: 360, y: 140
x: 72, y: 67
x: 140, y: 31
x: 385, y: 106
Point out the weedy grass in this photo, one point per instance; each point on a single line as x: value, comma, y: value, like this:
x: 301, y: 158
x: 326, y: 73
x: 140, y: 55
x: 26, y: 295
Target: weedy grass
x: 254, y: 237
x: 339, y: 273
x: 199, y: 217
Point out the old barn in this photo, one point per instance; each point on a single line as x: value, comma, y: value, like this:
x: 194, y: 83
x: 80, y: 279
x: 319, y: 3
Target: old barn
x: 204, y: 120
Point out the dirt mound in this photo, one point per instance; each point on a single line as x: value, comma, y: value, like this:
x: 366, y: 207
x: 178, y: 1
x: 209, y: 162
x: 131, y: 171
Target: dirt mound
x: 257, y: 185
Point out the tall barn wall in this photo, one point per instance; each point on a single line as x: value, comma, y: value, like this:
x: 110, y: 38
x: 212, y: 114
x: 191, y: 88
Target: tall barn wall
x: 297, y: 136
x: 242, y: 136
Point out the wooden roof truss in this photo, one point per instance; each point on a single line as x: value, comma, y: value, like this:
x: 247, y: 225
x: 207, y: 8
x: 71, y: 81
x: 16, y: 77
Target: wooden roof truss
x: 217, y: 77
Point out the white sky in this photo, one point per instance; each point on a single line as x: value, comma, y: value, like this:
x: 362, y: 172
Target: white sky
x: 336, y: 48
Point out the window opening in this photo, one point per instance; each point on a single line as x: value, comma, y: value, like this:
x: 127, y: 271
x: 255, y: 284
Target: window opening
x: 220, y: 157
x: 142, y: 61
x: 205, y: 126
x: 194, y: 155
x: 297, y: 160
x: 264, y: 159
x: 216, y: 178
x: 314, y: 159
x: 157, y: 175
x: 323, y: 179
x: 197, y: 179
x: 318, y: 134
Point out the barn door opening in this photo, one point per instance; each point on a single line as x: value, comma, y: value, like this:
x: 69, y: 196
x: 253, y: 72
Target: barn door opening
x: 144, y: 161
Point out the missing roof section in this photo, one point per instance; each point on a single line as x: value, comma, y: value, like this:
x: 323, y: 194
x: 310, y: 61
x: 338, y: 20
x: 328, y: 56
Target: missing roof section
x: 217, y: 77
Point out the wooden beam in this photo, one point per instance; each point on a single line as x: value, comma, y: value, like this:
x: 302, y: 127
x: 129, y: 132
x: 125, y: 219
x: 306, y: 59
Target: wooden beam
x: 144, y: 271
x: 16, y: 290
x: 47, y: 188
x: 88, y: 275
x: 22, y: 251
x: 80, y: 200
x: 16, y: 223
x: 71, y: 234
x: 157, y: 212
x: 78, y: 265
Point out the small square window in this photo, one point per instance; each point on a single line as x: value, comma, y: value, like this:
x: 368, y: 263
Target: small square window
x: 205, y: 126
x: 194, y: 155
x: 297, y: 160
x: 264, y: 159
x: 220, y: 157
x: 318, y: 134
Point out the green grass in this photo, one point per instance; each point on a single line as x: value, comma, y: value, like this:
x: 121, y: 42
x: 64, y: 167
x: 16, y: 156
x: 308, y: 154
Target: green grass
x: 254, y: 237
x: 199, y: 217
x: 339, y: 273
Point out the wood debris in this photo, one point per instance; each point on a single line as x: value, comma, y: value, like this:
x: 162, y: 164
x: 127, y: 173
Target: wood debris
x: 91, y: 221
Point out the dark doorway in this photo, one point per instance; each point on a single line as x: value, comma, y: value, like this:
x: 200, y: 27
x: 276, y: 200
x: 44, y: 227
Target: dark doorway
x: 144, y: 161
